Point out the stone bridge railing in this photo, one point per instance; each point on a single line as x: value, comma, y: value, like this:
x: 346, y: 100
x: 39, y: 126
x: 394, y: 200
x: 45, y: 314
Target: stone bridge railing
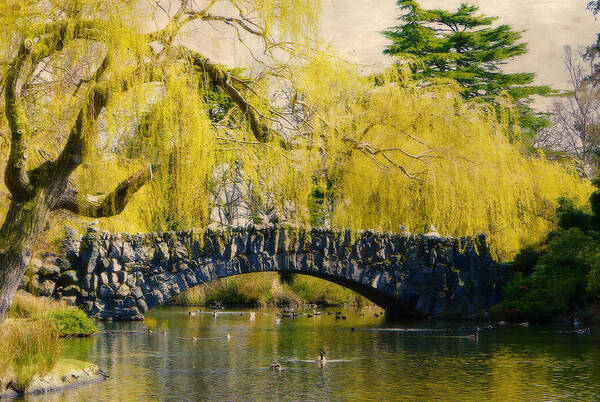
x: 121, y: 276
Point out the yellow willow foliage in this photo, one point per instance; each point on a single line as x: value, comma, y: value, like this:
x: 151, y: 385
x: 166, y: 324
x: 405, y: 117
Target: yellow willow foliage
x: 181, y: 134
x: 287, y: 18
x: 472, y: 179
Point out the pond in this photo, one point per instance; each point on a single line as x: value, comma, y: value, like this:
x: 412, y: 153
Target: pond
x: 368, y: 358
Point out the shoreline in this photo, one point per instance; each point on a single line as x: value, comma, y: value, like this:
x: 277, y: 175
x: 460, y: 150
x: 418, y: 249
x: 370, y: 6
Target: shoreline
x: 54, y: 382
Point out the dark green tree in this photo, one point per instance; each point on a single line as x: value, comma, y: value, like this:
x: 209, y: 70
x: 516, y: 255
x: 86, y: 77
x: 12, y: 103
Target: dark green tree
x: 561, y: 277
x: 466, y: 47
x: 594, y: 6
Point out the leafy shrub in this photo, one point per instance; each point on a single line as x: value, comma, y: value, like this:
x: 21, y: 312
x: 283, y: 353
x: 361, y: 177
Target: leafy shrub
x: 565, y: 278
x: 71, y: 322
x: 526, y: 260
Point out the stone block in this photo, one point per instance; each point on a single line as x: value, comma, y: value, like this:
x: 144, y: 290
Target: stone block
x: 142, y: 306
x: 127, y: 255
x: 71, y: 290
x: 114, y: 265
x: 70, y: 300
x: 48, y: 270
x: 129, y: 302
x: 137, y: 292
x: 68, y: 278
x: 123, y: 290
x: 106, y: 292
x: 45, y: 288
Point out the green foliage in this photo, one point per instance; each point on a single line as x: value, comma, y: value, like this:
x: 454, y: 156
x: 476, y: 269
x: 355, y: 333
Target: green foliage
x: 465, y: 47
x: 566, y: 277
x: 594, y: 6
x: 72, y: 322
x: 315, y: 206
x: 525, y: 260
x: 67, y: 321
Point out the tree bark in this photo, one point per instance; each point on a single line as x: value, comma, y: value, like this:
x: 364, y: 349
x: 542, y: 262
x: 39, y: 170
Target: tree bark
x: 25, y: 220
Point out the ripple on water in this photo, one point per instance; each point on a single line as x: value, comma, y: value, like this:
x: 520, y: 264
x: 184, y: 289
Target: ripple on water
x: 412, y: 360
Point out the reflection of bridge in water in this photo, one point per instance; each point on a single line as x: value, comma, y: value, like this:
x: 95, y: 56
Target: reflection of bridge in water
x: 121, y: 276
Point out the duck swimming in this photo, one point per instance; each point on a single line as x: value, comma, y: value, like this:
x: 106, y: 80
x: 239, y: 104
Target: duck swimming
x: 276, y: 366
x: 322, y: 358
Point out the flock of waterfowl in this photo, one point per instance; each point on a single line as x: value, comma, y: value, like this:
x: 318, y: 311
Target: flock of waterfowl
x: 338, y: 315
x: 284, y: 313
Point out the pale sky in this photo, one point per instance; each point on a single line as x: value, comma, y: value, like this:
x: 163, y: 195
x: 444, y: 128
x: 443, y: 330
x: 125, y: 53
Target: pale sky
x: 353, y: 26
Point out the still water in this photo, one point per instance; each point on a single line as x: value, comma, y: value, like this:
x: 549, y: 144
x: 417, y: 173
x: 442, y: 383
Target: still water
x: 368, y: 359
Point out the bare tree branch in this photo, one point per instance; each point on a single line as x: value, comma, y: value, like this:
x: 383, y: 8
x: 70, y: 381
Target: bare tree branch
x: 108, y: 205
x: 72, y: 154
x: 261, y: 130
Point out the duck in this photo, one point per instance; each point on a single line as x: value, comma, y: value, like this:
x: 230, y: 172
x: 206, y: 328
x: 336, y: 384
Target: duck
x: 583, y: 332
x: 524, y: 324
x: 194, y: 338
x: 228, y: 337
x: 163, y: 331
x: 276, y: 366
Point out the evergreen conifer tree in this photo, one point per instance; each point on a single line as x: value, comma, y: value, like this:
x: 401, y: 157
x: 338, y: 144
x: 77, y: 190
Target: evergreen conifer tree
x: 465, y: 46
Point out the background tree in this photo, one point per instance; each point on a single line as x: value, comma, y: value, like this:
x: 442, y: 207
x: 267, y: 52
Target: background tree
x: 575, y: 127
x: 464, y: 46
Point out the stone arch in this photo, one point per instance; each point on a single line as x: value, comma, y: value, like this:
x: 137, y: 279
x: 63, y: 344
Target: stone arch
x: 121, y: 276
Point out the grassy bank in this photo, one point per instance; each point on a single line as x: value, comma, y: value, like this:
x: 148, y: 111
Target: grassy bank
x: 270, y: 289
x: 31, y: 338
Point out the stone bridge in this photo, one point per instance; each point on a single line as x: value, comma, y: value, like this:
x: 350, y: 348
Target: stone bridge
x: 121, y: 276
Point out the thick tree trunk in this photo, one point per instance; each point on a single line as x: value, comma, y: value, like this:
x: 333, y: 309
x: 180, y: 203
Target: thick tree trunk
x: 24, y: 222
x: 12, y: 268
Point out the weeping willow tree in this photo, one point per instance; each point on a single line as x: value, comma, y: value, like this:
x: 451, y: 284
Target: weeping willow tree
x: 404, y: 154
x: 102, y: 96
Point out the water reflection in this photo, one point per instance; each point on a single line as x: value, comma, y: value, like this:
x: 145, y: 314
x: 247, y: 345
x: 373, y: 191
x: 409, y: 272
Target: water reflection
x: 432, y: 360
